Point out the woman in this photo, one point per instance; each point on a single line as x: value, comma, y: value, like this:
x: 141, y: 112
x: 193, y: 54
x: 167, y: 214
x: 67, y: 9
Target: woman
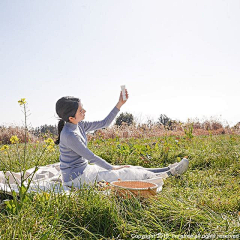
x: 74, y: 154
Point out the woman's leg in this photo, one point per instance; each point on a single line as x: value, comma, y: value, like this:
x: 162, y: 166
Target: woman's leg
x: 131, y: 173
x: 157, y: 170
x: 177, y: 168
x: 94, y: 173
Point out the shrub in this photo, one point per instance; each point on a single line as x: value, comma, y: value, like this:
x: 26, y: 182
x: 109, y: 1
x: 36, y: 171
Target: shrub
x: 124, y: 117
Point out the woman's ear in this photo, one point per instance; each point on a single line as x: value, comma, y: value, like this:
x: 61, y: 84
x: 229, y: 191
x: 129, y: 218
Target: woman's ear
x: 71, y: 119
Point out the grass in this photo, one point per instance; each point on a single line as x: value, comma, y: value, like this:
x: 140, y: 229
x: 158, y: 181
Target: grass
x: 203, y: 201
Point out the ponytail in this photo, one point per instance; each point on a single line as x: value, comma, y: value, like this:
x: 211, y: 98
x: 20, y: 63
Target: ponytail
x: 65, y: 107
x: 61, y: 124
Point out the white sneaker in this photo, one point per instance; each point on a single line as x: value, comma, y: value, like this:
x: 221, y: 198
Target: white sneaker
x: 179, y: 168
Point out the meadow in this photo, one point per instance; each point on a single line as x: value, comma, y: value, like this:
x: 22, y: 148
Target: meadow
x: 202, y: 203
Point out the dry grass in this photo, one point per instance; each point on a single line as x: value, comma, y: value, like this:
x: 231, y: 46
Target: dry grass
x: 7, y: 132
x: 156, y: 130
x: 145, y: 130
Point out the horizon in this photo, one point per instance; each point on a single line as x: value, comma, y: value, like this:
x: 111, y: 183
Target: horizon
x: 139, y: 120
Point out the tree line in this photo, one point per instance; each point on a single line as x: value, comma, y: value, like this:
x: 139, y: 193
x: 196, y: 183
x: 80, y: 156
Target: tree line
x: 123, y: 118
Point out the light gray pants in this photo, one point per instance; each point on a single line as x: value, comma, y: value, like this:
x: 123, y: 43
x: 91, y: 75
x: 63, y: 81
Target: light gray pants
x: 94, y: 173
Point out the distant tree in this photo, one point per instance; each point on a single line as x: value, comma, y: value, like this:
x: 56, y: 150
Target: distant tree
x: 46, y: 129
x: 165, y: 121
x: 124, y: 117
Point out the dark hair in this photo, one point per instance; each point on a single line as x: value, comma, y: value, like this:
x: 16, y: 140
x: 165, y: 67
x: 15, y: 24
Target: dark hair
x: 65, y: 107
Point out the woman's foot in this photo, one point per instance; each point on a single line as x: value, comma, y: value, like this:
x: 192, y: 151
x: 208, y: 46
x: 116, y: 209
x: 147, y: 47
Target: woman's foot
x: 180, y: 168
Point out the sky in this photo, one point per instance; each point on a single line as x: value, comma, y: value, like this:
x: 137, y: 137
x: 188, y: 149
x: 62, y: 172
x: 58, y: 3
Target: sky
x: 180, y: 58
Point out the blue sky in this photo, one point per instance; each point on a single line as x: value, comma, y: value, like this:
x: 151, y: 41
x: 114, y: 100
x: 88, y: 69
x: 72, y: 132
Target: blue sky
x: 179, y: 58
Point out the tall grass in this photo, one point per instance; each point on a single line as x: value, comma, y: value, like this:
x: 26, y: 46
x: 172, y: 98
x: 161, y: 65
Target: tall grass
x: 203, y: 201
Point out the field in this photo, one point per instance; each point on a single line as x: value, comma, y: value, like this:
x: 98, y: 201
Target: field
x: 203, y: 203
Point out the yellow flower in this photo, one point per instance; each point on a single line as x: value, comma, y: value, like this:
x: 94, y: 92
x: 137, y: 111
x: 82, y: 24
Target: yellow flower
x: 46, y: 195
x: 14, y: 139
x: 22, y: 101
x: 49, y: 141
x: 50, y: 148
x: 37, y: 142
x: 5, y: 153
x: 4, y: 147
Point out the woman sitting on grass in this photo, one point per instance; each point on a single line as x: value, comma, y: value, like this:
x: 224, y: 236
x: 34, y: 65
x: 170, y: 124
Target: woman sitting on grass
x: 75, y: 155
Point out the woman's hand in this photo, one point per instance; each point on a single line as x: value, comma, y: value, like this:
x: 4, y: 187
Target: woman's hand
x: 120, y: 167
x: 121, y: 101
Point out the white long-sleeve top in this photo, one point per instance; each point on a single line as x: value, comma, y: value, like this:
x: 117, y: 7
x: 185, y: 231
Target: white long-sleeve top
x: 74, y: 153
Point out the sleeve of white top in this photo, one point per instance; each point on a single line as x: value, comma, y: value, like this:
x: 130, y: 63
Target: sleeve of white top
x: 75, y: 143
x: 91, y: 126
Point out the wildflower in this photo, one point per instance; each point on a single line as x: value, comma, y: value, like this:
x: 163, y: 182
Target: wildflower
x: 49, y: 141
x: 37, y: 142
x: 14, y: 139
x: 22, y: 101
x: 5, y: 153
x: 50, y: 148
x: 46, y: 195
x: 4, y: 147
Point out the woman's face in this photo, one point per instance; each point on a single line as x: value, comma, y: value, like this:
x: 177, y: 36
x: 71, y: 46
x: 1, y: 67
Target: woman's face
x: 79, y: 116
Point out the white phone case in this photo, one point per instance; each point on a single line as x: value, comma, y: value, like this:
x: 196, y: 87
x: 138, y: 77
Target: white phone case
x: 123, y: 92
